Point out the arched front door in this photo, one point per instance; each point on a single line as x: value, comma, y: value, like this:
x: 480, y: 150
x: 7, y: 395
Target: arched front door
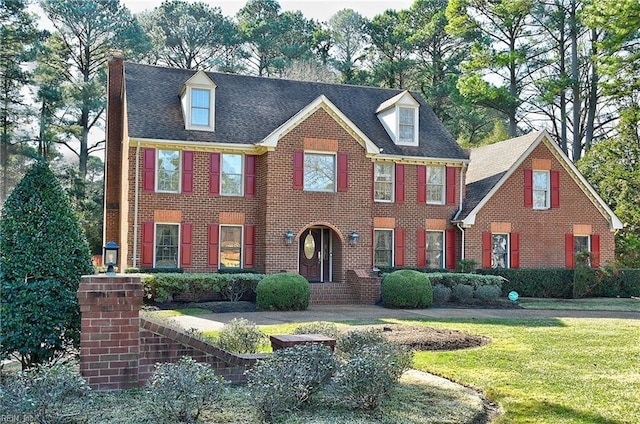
x: 315, y: 254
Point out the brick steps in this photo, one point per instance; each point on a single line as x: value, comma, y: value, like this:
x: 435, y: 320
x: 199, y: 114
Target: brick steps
x: 332, y: 294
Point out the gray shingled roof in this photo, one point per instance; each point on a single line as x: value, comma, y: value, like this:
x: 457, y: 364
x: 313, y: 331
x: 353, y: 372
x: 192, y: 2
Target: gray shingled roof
x: 250, y: 108
x: 488, y: 164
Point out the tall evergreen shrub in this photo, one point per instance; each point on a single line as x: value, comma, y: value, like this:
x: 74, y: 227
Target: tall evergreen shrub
x: 43, y: 253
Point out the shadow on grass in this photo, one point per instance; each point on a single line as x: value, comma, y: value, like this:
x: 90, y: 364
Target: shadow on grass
x: 509, y: 322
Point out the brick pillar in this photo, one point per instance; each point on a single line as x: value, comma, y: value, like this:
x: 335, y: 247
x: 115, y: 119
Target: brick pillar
x: 110, y: 330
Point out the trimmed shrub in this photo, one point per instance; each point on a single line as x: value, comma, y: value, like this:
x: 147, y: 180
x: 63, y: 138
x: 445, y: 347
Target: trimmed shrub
x: 240, y: 336
x: 463, y: 293
x: 42, y: 247
x: 451, y: 280
x: 179, y: 391
x: 407, y: 289
x: 441, y: 294
x: 366, y: 378
x: 351, y: 342
x: 488, y: 294
x: 45, y: 394
x: 289, y: 377
x: 535, y: 282
x: 328, y: 329
x: 283, y: 292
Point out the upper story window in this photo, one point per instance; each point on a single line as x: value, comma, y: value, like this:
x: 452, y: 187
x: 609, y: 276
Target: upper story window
x: 407, y: 124
x: 436, y: 185
x: 541, y: 190
x: 168, y: 171
x: 200, y: 107
x: 319, y: 172
x: 198, y: 102
x: 231, y: 175
x: 383, y: 182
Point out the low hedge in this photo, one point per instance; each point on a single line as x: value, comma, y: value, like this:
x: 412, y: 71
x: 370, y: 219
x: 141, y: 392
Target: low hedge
x: 163, y: 287
x: 407, y: 289
x: 535, y: 282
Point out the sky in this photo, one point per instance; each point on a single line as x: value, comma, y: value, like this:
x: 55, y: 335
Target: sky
x: 320, y: 10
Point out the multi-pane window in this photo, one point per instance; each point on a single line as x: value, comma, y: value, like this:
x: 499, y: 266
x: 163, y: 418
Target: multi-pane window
x: 435, y: 185
x: 581, y: 249
x: 499, y: 250
x: 231, y: 175
x: 230, y: 246
x: 435, y: 249
x: 541, y: 189
x: 168, y: 171
x: 383, y: 185
x: 200, y: 107
x: 319, y: 172
x: 167, y: 245
x: 383, y: 248
x: 407, y: 124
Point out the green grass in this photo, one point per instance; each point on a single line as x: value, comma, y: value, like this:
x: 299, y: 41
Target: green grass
x: 168, y: 313
x: 595, y: 304
x: 549, y: 370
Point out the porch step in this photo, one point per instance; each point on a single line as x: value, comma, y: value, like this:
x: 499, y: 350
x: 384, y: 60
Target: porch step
x: 331, y: 294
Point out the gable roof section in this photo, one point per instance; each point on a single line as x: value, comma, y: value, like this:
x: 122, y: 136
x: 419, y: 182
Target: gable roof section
x: 249, y: 109
x: 490, y: 166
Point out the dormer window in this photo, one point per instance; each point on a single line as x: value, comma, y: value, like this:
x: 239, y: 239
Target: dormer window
x: 198, y: 103
x: 399, y: 116
x: 200, y: 107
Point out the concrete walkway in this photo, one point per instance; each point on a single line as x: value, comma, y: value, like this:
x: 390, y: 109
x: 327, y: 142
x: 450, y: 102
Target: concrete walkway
x: 210, y: 322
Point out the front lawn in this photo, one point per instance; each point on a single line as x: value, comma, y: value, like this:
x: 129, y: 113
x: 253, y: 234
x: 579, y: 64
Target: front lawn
x: 569, y: 370
x: 589, y: 304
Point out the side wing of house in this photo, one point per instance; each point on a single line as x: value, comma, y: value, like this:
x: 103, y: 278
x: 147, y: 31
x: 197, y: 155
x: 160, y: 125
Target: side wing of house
x: 541, y: 213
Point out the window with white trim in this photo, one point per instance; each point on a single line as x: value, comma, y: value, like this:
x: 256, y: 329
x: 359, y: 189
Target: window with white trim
x: 319, y: 171
x: 383, y: 248
x: 435, y: 249
x: 166, y: 245
x: 406, y: 125
x: 435, y: 185
x: 168, y: 171
x: 230, y: 246
x: 582, y: 249
x: 541, y: 189
x: 231, y: 175
x: 383, y: 181
x: 200, y: 107
x: 499, y: 250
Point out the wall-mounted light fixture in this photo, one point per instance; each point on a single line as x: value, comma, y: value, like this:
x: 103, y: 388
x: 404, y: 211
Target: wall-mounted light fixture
x: 289, y: 236
x: 110, y: 257
x: 353, y: 238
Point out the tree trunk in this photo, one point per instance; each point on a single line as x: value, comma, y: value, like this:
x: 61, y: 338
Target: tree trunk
x: 576, y: 145
x: 593, y: 93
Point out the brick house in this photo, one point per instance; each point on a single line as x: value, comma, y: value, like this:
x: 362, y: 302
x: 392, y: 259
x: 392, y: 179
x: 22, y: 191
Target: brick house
x: 207, y: 170
x: 527, y: 206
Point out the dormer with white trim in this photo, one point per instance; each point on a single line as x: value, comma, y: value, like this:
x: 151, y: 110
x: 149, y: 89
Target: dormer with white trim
x: 198, y: 102
x: 399, y: 116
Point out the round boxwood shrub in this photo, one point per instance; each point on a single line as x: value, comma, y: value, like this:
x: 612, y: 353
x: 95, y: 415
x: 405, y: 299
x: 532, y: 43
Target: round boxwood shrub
x: 463, y: 293
x: 283, y: 292
x: 407, y: 289
x: 488, y: 294
x: 441, y: 294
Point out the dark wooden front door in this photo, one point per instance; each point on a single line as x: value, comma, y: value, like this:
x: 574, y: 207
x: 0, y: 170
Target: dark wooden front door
x: 315, y: 254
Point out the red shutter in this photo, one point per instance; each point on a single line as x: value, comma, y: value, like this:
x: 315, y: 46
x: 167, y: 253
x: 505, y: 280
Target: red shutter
x: 187, y: 172
x: 421, y: 177
x: 186, y: 244
x: 555, y: 189
x: 486, y: 249
x: 528, y: 188
x: 214, y: 237
x: 514, y: 247
x: 421, y: 245
x: 147, y: 244
x: 214, y: 174
x: 149, y: 169
x: 250, y: 175
x: 399, y: 196
x: 450, y: 243
x: 343, y: 172
x: 398, y: 253
x: 595, y: 251
x: 451, y: 186
x: 298, y: 170
x: 569, y: 256
x: 249, y: 246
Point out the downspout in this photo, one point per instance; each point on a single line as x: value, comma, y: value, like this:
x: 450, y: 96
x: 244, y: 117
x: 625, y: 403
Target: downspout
x: 462, y: 173
x: 135, y: 208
